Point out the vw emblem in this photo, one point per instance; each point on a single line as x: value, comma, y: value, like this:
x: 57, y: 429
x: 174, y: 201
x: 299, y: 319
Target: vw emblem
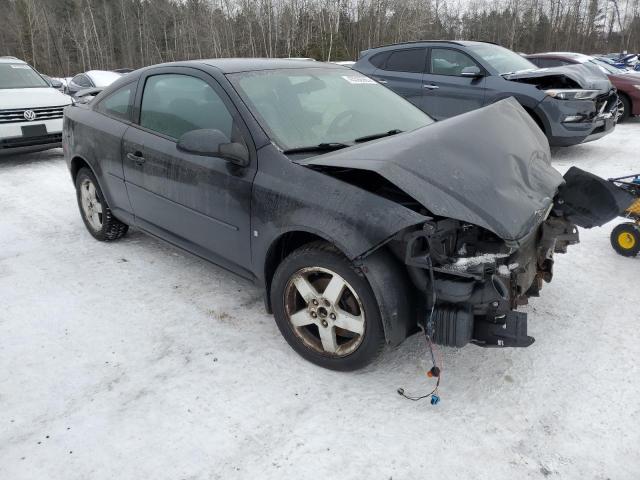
x: 30, y: 115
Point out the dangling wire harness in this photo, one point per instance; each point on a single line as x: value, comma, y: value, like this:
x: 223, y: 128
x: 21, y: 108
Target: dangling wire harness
x: 429, y: 332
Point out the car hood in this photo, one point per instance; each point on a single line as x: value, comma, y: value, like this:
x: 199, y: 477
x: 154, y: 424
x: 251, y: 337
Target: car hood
x: 489, y: 167
x: 580, y: 75
x: 11, y: 98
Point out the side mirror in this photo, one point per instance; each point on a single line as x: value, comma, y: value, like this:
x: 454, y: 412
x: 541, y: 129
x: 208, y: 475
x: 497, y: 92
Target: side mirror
x: 471, y: 72
x: 213, y: 143
x: 57, y: 84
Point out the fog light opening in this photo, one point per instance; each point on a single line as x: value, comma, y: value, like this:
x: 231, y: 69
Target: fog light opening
x: 573, y: 118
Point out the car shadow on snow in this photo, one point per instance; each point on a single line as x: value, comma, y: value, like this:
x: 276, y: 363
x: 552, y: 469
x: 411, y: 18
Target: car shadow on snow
x: 406, y: 362
x: 8, y: 161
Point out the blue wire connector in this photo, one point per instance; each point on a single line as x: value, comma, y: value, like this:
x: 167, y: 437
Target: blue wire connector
x: 435, y: 399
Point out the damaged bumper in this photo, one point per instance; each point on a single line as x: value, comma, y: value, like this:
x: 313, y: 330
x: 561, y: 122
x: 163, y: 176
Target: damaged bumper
x: 475, y: 297
x: 474, y: 282
x: 573, y: 122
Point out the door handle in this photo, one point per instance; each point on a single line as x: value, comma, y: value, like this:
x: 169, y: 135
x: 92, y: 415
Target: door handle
x: 136, y: 157
x: 383, y: 82
x: 430, y: 87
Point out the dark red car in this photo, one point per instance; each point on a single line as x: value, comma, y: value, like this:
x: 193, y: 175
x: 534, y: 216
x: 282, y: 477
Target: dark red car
x: 626, y: 82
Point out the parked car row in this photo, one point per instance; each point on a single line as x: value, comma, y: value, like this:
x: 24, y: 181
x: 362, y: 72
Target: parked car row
x: 626, y: 61
x: 31, y: 104
x: 447, y: 78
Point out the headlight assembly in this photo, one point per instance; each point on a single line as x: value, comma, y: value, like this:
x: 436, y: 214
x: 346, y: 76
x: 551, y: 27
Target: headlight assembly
x: 572, y: 94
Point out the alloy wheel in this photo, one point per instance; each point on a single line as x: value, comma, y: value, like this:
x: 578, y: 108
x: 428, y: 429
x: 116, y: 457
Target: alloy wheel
x: 91, y: 205
x: 620, y: 110
x: 324, y: 311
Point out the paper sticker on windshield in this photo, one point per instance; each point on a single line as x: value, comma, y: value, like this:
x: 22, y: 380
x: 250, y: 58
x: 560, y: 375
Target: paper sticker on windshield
x: 358, y: 79
x: 21, y: 67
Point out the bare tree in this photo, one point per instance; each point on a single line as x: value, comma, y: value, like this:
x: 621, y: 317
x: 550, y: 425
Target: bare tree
x: 66, y: 36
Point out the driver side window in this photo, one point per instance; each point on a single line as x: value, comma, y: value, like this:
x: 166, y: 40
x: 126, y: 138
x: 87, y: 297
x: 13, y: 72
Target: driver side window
x: 118, y: 103
x: 174, y: 104
x: 445, y: 61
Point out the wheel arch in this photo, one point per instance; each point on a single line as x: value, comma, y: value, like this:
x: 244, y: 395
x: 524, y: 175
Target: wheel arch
x: 626, y: 95
x: 536, y: 118
x: 389, y: 281
x: 76, y: 164
x: 530, y: 105
x: 110, y: 190
x: 281, y: 247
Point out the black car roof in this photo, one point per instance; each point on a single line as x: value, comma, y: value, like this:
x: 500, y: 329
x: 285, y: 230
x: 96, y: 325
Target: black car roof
x: 227, y: 65
x: 234, y: 65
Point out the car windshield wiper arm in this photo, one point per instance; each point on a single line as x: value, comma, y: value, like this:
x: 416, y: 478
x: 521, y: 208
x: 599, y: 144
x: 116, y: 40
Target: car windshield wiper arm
x: 377, y: 135
x: 321, y: 147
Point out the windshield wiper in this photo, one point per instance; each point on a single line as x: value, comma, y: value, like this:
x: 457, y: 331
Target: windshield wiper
x: 321, y: 147
x: 377, y: 135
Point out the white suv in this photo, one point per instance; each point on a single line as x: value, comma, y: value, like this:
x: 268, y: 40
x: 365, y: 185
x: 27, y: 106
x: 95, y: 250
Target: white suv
x: 30, y: 109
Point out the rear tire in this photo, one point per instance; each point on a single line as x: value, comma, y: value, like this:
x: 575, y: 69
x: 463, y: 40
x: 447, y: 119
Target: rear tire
x: 625, y: 239
x: 326, y: 310
x: 95, y: 211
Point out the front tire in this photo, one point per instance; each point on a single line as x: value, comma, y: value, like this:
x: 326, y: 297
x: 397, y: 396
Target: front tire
x: 625, y: 239
x: 95, y: 211
x: 326, y: 310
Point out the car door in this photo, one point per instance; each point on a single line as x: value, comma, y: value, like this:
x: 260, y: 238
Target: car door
x: 446, y: 92
x: 201, y: 203
x: 402, y: 72
x: 115, y: 111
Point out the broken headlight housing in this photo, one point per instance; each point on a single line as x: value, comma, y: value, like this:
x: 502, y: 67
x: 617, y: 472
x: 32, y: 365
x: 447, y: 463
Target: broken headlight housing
x: 572, y: 94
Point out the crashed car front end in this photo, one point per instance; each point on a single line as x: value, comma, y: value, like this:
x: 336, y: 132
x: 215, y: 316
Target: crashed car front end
x: 580, y: 121
x: 472, y: 282
x: 579, y: 106
x: 494, y: 218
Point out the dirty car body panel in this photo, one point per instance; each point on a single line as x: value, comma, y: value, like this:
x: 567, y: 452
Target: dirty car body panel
x: 462, y: 227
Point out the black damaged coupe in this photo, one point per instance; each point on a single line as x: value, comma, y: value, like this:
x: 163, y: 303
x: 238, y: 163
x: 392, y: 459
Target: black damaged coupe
x: 362, y: 218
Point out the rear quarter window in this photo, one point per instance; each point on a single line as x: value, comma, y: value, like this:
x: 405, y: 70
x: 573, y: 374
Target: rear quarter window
x: 410, y: 60
x: 118, y: 103
x: 379, y: 59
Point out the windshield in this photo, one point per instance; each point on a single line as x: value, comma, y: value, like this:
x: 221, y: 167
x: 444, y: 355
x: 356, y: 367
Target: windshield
x: 20, y: 75
x: 502, y: 59
x: 605, y: 66
x: 314, y: 106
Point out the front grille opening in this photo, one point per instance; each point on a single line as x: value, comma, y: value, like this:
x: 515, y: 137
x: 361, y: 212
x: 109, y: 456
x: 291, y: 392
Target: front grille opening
x: 43, y: 113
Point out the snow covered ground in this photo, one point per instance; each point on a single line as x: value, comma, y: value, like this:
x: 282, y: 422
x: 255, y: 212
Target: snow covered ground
x: 134, y: 360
